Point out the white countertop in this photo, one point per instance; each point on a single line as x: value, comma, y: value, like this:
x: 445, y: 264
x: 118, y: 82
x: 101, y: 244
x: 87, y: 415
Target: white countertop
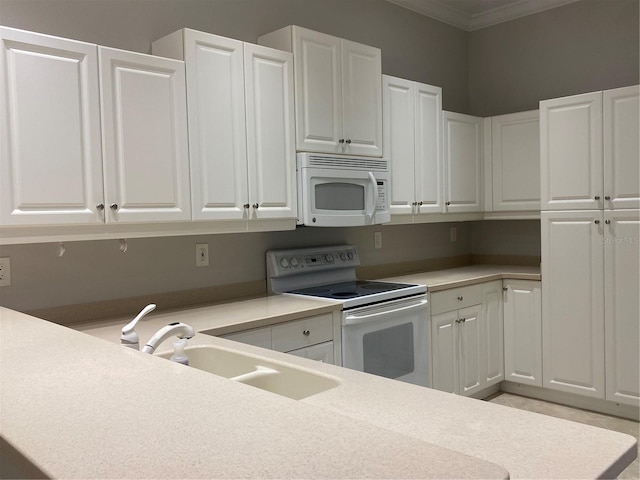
x: 78, y: 406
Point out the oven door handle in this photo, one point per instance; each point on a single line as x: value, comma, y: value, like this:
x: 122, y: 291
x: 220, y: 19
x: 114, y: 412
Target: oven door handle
x: 374, y: 196
x: 355, y: 318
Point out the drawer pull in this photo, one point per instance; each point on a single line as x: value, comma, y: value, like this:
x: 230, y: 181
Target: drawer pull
x: 306, y: 333
x: 460, y: 298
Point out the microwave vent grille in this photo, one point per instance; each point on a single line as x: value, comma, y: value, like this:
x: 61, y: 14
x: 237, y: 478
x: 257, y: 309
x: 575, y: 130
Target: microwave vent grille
x: 349, y: 162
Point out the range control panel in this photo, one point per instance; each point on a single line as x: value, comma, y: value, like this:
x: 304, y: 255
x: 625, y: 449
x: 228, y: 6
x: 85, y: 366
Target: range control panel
x: 292, y: 262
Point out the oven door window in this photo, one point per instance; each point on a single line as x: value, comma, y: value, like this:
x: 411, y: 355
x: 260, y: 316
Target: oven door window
x: 389, y: 352
x: 337, y: 196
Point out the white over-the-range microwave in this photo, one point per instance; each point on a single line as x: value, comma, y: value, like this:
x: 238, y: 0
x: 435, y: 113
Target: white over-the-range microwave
x: 342, y: 191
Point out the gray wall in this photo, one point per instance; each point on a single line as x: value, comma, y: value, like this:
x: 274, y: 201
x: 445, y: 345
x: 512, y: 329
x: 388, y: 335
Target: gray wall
x: 580, y: 47
x: 413, y: 46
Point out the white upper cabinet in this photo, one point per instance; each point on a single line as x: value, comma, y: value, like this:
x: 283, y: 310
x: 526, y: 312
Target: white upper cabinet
x: 515, y: 162
x: 412, y: 143
x: 622, y: 147
x: 241, y: 130
x: 50, y: 151
x: 144, y: 125
x: 462, y: 149
x: 338, y: 91
x: 590, y: 151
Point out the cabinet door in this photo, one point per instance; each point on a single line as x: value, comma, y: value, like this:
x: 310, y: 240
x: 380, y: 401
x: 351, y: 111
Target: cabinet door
x: 515, y: 148
x: 399, y: 142
x: 50, y: 152
x: 622, y: 147
x: 471, y: 351
x: 523, y: 332
x: 571, y: 153
x: 492, y: 346
x: 144, y: 126
x: 361, y: 99
x: 622, y: 310
x: 428, y: 149
x: 573, y: 302
x: 444, y: 351
x: 270, y: 132
x: 462, y: 157
x: 217, y: 131
x: 318, y: 91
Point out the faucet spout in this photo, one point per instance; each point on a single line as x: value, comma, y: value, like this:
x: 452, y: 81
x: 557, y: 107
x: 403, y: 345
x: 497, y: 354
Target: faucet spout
x: 178, y: 329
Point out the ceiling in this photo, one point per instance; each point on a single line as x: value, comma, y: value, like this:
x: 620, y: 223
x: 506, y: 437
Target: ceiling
x: 475, y: 14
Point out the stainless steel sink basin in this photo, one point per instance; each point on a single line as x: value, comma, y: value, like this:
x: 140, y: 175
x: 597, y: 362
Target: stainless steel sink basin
x: 286, y: 380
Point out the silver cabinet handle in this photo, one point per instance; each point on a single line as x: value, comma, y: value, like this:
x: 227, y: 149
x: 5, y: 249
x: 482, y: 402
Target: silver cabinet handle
x: 256, y: 205
x: 597, y: 222
x: 608, y: 222
x: 420, y: 203
x: 341, y: 140
x: 100, y: 207
x: 113, y: 206
x: 414, y: 203
x: 306, y: 333
x: 460, y: 298
x: 607, y: 197
x: 348, y: 141
x: 463, y: 320
x: 246, y: 206
x: 504, y: 289
x: 597, y: 197
x: 448, y: 203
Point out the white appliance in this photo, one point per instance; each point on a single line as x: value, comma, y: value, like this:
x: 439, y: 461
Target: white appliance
x: 342, y: 191
x: 385, y: 326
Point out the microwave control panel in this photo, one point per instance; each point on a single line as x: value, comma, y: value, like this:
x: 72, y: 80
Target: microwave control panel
x: 382, y: 199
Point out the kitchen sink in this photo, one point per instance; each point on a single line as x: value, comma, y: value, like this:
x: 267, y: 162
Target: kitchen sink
x: 286, y: 380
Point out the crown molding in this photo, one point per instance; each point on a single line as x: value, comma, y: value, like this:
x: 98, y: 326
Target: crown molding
x: 440, y: 10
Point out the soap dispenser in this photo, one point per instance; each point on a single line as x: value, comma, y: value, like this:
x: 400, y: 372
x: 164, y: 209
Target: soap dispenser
x: 179, y: 355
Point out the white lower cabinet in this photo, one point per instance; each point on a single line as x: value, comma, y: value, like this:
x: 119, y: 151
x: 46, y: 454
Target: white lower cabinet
x: 523, y: 332
x: 311, y: 337
x: 466, y: 343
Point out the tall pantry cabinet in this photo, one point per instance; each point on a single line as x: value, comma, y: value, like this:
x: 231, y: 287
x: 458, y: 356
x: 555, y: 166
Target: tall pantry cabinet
x: 590, y: 189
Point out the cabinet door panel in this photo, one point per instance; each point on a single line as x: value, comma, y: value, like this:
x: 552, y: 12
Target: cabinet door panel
x: 492, y: 351
x: 462, y: 157
x: 398, y: 98
x: 515, y: 160
x: 572, y: 302
x: 622, y: 147
x: 49, y: 129
x: 270, y: 132
x: 144, y: 122
x: 571, y: 153
x: 217, y: 131
x: 622, y: 310
x: 361, y: 98
x: 523, y: 332
x: 444, y: 351
x: 318, y: 91
x: 428, y: 150
x: 470, y: 348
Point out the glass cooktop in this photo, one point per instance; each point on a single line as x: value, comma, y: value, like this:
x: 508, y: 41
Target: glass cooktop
x: 346, y: 290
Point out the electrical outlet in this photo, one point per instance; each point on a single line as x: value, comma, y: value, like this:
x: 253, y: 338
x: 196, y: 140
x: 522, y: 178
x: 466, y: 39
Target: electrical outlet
x: 202, y: 255
x: 453, y: 234
x: 377, y: 239
x: 5, y: 272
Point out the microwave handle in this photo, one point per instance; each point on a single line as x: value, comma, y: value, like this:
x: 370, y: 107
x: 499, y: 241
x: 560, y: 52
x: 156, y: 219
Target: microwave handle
x: 374, y: 197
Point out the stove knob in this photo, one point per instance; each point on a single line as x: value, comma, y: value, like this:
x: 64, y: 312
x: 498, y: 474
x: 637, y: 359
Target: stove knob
x: 343, y: 256
x: 284, y: 262
x: 350, y: 255
x: 328, y: 257
x: 294, y: 262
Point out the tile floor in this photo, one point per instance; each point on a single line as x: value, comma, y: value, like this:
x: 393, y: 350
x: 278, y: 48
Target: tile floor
x: 583, y: 416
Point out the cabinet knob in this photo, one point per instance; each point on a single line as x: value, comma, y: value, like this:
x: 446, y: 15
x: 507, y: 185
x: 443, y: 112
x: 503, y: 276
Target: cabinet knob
x: 341, y: 140
x: 246, y: 206
x: 607, y: 221
x: 256, y: 205
x: 448, y: 203
x: 306, y: 333
x: 607, y: 197
x: 504, y: 289
x: 100, y: 207
x: 414, y: 203
x: 348, y: 141
x: 460, y: 298
x: 420, y: 203
x: 597, y: 197
x: 463, y: 320
x: 113, y: 206
x: 597, y: 222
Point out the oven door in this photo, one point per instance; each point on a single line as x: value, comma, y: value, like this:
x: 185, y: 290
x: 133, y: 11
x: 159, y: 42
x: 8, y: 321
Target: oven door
x: 389, y: 339
x: 343, y: 198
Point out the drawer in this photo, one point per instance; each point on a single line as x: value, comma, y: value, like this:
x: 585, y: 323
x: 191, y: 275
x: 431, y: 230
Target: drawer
x: 302, y: 333
x: 455, y: 298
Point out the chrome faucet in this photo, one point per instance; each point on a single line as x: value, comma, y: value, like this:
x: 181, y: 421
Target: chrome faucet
x: 129, y: 337
x: 179, y: 329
